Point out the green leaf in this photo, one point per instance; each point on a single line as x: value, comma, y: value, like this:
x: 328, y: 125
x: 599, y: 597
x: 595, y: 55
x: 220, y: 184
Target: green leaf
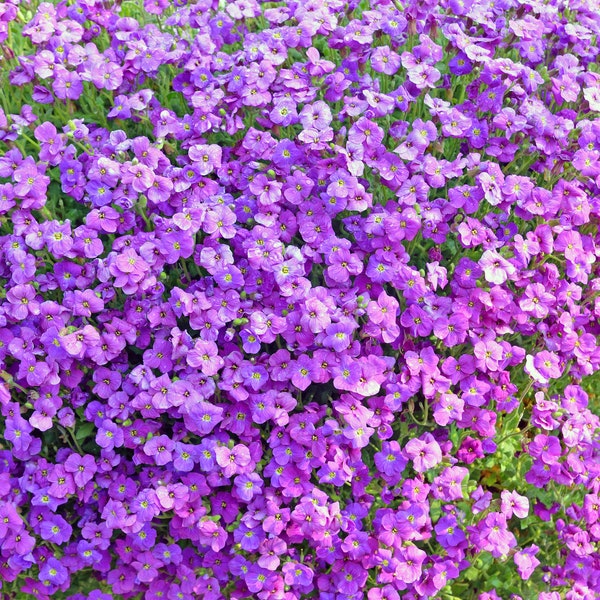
x: 83, y: 431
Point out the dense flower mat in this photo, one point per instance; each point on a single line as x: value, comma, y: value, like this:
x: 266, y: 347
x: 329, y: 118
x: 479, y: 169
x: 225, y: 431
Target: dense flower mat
x: 299, y: 299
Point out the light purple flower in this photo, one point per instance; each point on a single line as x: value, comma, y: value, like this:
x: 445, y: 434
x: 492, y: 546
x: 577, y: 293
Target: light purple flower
x: 424, y: 451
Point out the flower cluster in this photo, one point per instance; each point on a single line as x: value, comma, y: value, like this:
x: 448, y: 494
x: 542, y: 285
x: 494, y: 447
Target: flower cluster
x: 300, y: 299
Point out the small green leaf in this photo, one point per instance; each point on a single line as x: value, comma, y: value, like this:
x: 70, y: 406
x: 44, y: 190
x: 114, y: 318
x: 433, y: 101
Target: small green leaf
x: 83, y: 431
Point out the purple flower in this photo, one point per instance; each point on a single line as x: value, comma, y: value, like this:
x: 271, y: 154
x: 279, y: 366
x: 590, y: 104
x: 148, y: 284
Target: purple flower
x: 338, y: 336
x: 543, y: 366
x: 495, y: 536
x: 488, y: 355
x: 82, y: 468
x: 53, y: 572
x: 219, y: 222
x: 160, y: 449
x: 495, y: 268
x: 385, y: 60
x: 514, y: 504
x: 546, y: 448
x: 139, y: 176
x: 470, y: 450
x: 225, y: 283
x: 116, y: 516
x: 526, y: 561
x: 423, y: 75
x: 301, y: 372
x: 390, y: 461
x: 67, y: 85
x: 205, y: 355
x: 284, y: 112
x: 424, y: 451
x: 232, y: 461
x: 202, y: 417
x: 449, y: 408
x: 536, y: 301
x: 184, y: 457
x: 448, y: 533
x: 409, y: 567
x: 247, y: 486
x: 316, y: 116
x: 297, y: 574
x: 22, y: 301
x: 146, y: 566
x: 9, y: 519
x: 55, y: 529
x: 109, y: 435
x: 448, y: 485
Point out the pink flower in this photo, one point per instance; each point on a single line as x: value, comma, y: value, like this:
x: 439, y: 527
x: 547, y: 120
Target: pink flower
x: 488, y: 355
x: 526, y: 561
x: 206, y: 158
x: 514, y: 504
x: 495, y: 268
x: 425, y: 452
x: 205, y: 355
x: 410, y: 559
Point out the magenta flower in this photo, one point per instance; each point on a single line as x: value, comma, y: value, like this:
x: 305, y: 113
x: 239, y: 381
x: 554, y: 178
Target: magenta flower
x: 424, y: 451
x: 160, y: 449
x: 410, y: 562
x: 206, y: 157
x: 82, y: 468
x: 543, y: 366
x: 219, y: 222
x: 449, y: 408
x: 470, y: 450
x: 78, y: 343
x: 448, y: 485
x: 232, y: 461
x: 495, y: 536
x: 536, y: 301
x: 22, y: 300
x: 140, y: 177
x: 496, y: 268
x: 488, y: 355
x: 297, y: 574
x: 514, y: 504
x: 205, y: 355
x: 526, y: 561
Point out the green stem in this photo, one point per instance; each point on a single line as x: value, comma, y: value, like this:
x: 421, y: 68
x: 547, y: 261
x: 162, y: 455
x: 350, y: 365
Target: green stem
x: 29, y: 139
x: 71, y: 435
x: 11, y: 382
x: 87, y: 149
x: 513, y: 434
x: 422, y: 422
x: 185, y: 271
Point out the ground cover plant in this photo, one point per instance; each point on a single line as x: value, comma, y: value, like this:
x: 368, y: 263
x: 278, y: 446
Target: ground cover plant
x: 299, y: 299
